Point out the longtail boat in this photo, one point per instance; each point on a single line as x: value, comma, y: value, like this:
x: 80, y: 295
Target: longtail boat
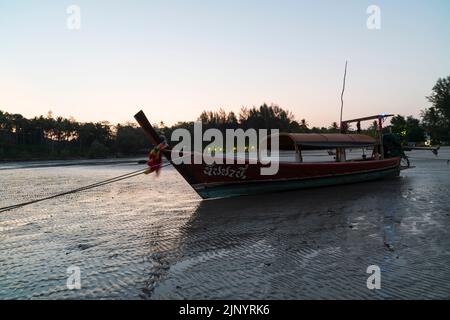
x: 229, y: 180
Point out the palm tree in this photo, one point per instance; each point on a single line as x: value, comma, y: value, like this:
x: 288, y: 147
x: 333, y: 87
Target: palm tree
x: 303, y: 124
x: 334, y: 127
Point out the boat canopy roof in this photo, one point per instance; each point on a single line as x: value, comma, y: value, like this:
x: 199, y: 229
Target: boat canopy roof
x: 317, y: 141
x: 375, y: 117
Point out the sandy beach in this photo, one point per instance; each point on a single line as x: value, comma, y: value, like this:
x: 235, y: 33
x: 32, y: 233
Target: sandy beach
x: 153, y: 238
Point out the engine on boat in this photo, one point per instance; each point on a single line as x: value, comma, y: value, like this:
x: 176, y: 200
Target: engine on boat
x: 392, y: 147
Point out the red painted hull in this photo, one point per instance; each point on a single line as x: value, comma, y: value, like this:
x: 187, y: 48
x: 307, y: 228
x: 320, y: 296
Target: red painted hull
x: 229, y: 180
x: 218, y: 180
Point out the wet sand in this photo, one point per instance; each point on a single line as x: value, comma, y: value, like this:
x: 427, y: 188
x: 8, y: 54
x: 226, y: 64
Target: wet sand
x: 147, y: 238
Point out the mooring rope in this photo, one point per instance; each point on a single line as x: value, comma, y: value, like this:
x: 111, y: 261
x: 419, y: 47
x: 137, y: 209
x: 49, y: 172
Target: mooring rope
x: 84, y: 188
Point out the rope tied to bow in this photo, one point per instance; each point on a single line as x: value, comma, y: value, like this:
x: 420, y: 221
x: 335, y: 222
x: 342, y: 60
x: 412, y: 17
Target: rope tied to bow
x: 155, y: 159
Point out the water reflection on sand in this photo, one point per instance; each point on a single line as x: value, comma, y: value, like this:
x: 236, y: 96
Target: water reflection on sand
x: 154, y: 239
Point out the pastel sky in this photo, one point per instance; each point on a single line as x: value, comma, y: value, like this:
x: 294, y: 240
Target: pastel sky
x: 177, y: 58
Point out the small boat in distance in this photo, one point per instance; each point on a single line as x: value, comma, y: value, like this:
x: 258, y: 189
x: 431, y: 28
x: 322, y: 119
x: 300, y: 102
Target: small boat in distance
x: 229, y: 180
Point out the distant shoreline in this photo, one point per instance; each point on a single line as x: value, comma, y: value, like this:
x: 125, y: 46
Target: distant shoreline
x: 141, y: 156
x: 44, y: 159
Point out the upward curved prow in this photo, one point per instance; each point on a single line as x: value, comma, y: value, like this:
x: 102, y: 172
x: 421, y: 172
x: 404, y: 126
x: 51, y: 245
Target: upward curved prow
x: 150, y: 132
x: 156, y: 139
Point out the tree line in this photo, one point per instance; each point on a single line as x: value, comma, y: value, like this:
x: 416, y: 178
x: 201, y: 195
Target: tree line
x: 434, y: 124
x: 49, y: 137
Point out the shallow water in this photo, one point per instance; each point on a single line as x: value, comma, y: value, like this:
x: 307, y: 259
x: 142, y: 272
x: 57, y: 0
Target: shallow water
x: 149, y: 238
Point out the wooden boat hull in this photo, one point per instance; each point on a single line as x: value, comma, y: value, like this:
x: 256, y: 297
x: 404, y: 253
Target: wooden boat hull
x: 230, y: 180
x: 270, y: 186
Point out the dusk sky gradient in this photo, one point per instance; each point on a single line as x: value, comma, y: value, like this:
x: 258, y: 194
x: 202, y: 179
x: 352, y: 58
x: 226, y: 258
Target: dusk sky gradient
x: 177, y: 58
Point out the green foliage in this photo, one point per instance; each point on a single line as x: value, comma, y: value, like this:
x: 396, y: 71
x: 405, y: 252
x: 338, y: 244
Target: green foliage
x: 130, y: 140
x: 52, y: 138
x: 398, y: 125
x: 263, y: 117
x: 334, y: 128
x: 414, y: 131
x: 267, y: 117
x: 436, y: 119
x: 435, y: 125
x: 409, y: 129
x: 98, y: 150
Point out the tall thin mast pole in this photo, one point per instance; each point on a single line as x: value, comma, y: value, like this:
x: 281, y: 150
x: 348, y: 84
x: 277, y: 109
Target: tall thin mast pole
x: 342, y: 95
